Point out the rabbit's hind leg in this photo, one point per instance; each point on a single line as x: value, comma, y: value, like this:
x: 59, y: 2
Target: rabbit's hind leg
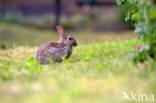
x: 44, y: 62
x: 57, y: 58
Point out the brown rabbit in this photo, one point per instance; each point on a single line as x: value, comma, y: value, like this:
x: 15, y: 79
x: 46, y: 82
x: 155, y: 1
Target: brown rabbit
x: 55, y: 50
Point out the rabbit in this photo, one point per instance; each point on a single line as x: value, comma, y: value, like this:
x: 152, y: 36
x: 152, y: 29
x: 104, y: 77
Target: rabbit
x: 55, y: 50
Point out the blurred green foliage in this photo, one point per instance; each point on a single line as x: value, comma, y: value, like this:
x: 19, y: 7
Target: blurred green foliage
x: 143, y: 14
x: 33, y: 65
x: 45, y: 22
x: 17, y: 18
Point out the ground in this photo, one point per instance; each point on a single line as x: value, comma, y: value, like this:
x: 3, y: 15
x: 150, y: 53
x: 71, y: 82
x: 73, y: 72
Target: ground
x: 99, y: 70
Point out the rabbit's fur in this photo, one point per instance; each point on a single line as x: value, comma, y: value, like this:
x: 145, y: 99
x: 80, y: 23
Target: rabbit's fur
x: 55, y: 50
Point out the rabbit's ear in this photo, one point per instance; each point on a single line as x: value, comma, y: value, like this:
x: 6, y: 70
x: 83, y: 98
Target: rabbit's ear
x: 60, y: 30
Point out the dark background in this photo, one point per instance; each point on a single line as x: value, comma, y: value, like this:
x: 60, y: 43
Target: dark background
x: 97, y: 15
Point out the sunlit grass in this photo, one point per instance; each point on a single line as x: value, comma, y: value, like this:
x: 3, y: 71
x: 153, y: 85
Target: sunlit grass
x: 97, y: 72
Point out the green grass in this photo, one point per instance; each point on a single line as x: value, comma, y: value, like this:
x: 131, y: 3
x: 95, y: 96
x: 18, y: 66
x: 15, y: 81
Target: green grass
x: 97, y: 72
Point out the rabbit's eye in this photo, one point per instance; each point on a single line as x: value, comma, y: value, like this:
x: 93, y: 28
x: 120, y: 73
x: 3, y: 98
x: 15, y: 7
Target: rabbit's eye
x: 70, y: 38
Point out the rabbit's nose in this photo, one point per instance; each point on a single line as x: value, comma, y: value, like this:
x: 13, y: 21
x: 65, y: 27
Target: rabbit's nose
x: 75, y: 43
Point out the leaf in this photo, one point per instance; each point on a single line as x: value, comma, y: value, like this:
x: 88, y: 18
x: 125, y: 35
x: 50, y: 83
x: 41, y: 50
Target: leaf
x: 136, y: 16
x: 127, y: 18
x: 119, y: 2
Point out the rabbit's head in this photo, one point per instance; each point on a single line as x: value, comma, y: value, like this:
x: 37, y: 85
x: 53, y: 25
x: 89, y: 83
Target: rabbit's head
x: 65, y: 39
